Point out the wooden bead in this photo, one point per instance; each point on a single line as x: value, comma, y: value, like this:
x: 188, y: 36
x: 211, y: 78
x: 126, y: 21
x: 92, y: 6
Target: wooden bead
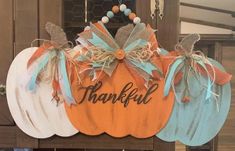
x: 186, y: 99
x: 127, y: 12
x: 87, y: 28
x: 136, y: 20
x: 110, y: 14
x: 119, y: 54
x: 115, y: 9
x: 123, y: 7
x: 105, y: 19
x: 132, y: 16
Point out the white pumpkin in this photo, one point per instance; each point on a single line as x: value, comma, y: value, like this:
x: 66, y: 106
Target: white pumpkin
x: 34, y: 112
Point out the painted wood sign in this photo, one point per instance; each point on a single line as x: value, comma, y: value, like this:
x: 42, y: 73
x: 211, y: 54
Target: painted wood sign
x: 120, y: 85
x: 202, y: 97
x: 126, y: 94
x: 198, y: 121
x: 34, y: 112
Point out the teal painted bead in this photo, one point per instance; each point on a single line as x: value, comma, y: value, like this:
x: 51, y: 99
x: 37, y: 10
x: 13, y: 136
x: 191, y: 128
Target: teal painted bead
x: 110, y: 14
x: 127, y: 12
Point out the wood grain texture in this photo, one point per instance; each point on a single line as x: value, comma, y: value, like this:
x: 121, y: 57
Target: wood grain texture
x: 7, y: 136
x: 145, y: 13
x: 49, y: 13
x: 26, y: 23
x: 226, y: 138
x: 227, y: 134
x: 215, y: 51
x: 12, y: 136
x: 99, y: 142
x: 23, y: 140
x: 168, y: 36
x: 6, y: 54
x: 212, y: 46
x: 160, y: 145
x: 198, y: 121
x: 168, y: 27
x: 8, y: 139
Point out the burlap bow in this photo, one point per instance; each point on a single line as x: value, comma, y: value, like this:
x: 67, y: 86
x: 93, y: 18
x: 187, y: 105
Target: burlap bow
x: 134, y: 46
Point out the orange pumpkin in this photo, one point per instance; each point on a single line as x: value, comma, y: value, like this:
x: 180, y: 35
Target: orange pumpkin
x: 118, y: 105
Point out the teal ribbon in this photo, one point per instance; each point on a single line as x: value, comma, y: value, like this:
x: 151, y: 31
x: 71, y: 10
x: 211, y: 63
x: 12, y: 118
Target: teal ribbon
x: 135, y: 44
x: 147, y: 67
x: 98, y: 42
x: 173, y: 70
x: 33, y: 80
x: 163, y: 52
x: 171, y: 73
x: 209, y: 83
x: 64, y: 80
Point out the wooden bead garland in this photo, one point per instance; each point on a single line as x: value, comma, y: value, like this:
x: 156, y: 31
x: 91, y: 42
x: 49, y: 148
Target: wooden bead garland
x: 115, y: 9
x: 110, y: 14
x: 132, y: 16
x: 123, y: 8
x: 127, y: 12
x: 105, y: 19
x: 136, y: 20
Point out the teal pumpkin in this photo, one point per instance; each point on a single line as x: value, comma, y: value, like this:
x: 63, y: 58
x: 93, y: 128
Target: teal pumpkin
x: 198, y: 120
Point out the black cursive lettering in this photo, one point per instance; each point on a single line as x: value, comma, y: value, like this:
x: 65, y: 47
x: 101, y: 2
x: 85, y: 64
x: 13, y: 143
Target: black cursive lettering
x: 127, y: 94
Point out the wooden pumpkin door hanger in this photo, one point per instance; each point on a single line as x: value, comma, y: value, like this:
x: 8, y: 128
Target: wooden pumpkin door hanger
x: 37, y: 82
x: 202, y: 95
x: 118, y: 81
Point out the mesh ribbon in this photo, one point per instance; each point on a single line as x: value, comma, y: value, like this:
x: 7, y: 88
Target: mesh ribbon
x: 100, y: 53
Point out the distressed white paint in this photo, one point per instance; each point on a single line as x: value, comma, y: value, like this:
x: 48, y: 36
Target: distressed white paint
x: 34, y: 113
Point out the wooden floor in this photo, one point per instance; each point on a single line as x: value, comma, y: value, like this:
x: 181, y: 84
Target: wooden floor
x: 227, y: 134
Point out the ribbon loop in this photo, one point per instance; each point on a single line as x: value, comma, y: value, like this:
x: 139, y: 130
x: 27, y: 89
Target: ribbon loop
x: 102, y: 53
x: 51, y: 60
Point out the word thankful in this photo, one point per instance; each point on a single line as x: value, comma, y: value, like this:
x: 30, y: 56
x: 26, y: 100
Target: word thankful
x: 126, y: 94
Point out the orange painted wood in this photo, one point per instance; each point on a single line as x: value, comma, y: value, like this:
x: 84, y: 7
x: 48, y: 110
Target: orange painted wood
x: 141, y: 121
